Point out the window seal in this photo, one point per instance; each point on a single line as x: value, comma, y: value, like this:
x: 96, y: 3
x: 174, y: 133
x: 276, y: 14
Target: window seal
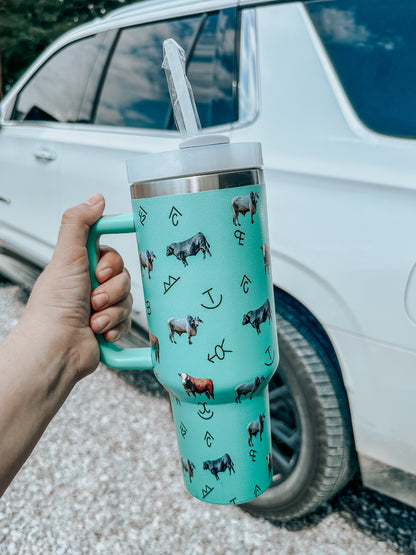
x: 103, y: 77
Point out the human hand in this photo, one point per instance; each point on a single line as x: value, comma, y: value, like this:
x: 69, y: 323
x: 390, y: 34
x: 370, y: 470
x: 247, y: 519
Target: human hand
x: 59, y: 307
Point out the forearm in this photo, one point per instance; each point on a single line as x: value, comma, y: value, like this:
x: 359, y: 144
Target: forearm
x: 35, y: 379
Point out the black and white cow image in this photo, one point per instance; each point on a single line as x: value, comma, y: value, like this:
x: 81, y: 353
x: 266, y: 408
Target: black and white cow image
x: 254, y: 428
x: 188, y: 325
x: 146, y: 260
x: 243, y: 205
x: 189, y: 467
x: 190, y: 247
x: 258, y: 316
x: 246, y: 388
x: 220, y: 465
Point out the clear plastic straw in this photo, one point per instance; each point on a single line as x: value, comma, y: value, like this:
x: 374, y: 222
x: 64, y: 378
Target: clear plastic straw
x: 180, y: 90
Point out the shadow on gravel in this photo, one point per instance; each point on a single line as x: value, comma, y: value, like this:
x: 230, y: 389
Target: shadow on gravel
x: 144, y: 381
x: 374, y: 514
x: 378, y: 515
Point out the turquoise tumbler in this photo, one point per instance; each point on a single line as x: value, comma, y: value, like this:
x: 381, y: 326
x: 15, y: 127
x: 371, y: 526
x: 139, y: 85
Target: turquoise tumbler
x: 200, y: 217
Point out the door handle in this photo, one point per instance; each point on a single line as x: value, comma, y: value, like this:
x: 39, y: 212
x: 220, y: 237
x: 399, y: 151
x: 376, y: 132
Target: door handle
x: 45, y: 155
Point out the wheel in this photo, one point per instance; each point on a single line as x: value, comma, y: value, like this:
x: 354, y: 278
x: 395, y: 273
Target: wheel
x: 313, y: 455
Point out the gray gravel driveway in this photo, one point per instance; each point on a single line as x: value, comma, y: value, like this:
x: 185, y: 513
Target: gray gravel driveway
x: 105, y: 478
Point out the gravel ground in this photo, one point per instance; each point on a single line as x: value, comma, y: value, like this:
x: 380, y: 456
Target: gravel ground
x: 105, y: 478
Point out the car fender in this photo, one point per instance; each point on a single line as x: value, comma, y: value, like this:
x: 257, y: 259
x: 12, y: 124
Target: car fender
x: 319, y: 297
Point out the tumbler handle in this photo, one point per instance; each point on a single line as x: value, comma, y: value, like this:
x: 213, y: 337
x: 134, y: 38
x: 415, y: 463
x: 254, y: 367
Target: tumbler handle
x: 143, y: 358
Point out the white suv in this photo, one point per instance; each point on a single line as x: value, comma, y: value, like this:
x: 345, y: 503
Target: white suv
x: 328, y: 87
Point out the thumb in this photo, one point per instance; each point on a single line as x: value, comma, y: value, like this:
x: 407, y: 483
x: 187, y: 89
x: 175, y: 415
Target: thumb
x: 76, y: 222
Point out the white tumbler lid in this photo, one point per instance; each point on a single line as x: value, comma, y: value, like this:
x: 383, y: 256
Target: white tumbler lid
x: 194, y: 160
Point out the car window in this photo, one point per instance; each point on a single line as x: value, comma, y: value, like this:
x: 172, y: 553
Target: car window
x: 64, y: 88
x: 135, y: 92
x: 213, y: 70
x: 372, y: 46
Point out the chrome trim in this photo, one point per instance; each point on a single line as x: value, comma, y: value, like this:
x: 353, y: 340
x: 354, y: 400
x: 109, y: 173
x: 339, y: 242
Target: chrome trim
x: 388, y: 480
x: 196, y: 183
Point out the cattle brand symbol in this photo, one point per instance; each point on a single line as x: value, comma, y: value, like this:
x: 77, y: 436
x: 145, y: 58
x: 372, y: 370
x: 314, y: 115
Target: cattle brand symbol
x: 208, y: 439
x: 206, y: 491
x: 244, y: 283
x: 206, y: 411
x: 257, y: 490
x: 148, y: 309
x: 252, y: 454
x: 232, y: 501
x: 271, y: 356
x: 208, y: 291
x: 239, y: 235
x: 183, y: 429
x: 142, y: 215
x: 169, y: 284
x: 219, y: 352
x: 173, y: 216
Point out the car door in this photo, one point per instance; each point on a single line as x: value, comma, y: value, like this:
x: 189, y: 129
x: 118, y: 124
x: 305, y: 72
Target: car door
x: 32, y: 143
x: 132, y: 113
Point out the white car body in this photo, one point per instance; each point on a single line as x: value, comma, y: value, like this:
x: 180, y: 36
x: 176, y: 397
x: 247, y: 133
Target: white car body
x: 340, y: 198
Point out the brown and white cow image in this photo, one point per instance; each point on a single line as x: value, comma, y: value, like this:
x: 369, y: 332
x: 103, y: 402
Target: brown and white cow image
x: 197, y: 385
x: 154, y: 341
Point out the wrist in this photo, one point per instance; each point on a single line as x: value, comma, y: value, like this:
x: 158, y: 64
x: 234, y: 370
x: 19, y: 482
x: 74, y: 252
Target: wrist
x: 50, y: 365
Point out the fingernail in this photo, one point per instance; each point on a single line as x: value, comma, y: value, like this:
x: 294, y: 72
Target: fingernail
x: 105, y: 273
x: 99, y: 301
x: 112, y: 335
x: 94, y: 199
x: 101, y: 322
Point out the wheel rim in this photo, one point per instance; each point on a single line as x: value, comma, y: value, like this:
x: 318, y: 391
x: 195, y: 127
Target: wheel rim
x: 285, y: 429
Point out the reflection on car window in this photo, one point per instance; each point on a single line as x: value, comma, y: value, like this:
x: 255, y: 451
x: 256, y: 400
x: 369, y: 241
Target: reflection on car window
x: 213, y: 71
x: 135, y: 92
x: 372, y: 46
x: 64, y: 88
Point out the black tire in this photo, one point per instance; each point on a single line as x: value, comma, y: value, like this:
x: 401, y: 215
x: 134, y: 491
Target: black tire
x: 313, y: 454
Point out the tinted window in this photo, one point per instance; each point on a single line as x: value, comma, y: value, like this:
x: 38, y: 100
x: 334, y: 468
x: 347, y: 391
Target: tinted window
x: 135, y: 92
x: 372, y: 46
x: 213, y: 70
x: 64, y: 88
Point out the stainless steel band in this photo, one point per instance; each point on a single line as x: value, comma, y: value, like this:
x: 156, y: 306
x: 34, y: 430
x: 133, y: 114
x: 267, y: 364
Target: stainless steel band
x: 196, y: 183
